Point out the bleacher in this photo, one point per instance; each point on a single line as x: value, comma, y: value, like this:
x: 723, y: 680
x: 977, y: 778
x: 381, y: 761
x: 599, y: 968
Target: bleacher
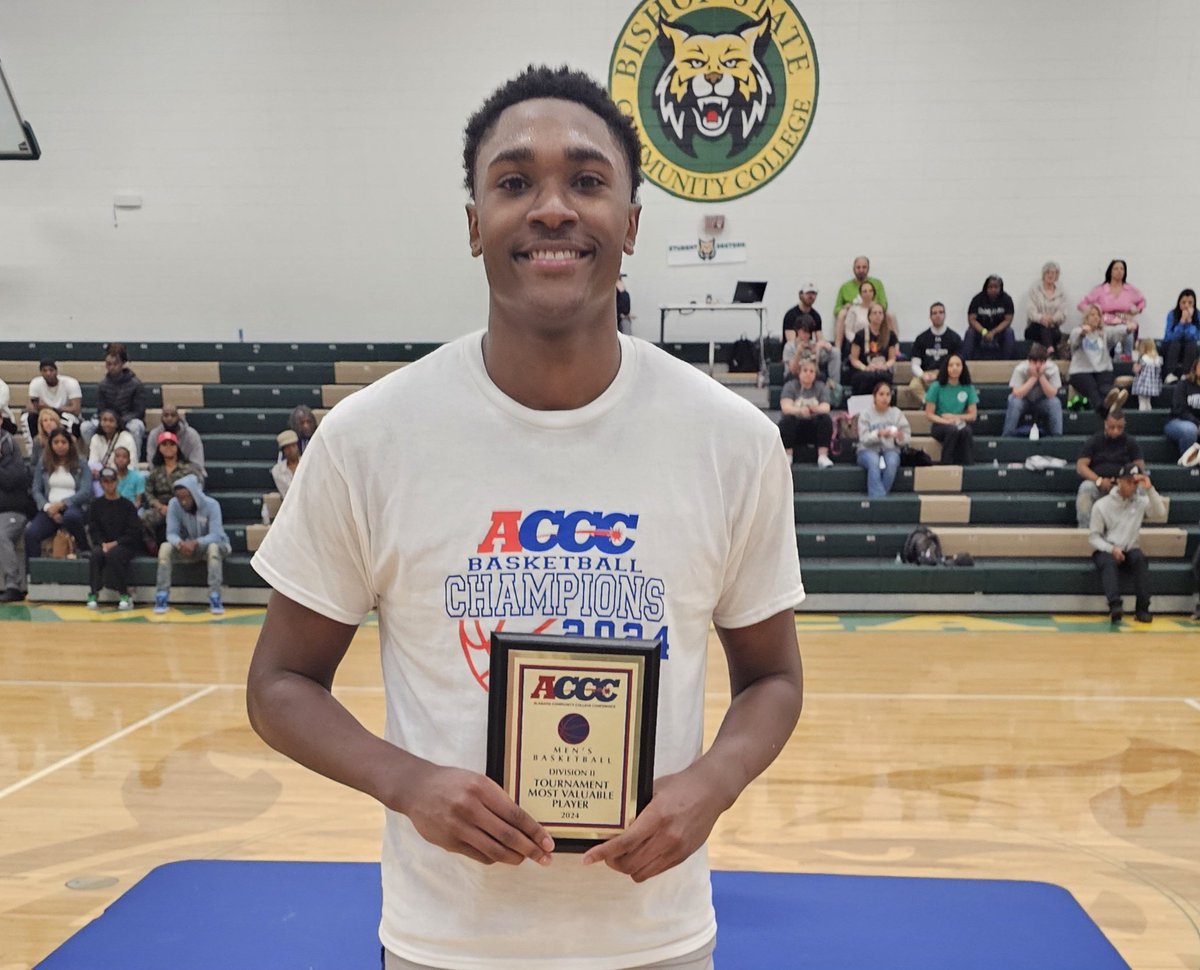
x: 1018, y: 525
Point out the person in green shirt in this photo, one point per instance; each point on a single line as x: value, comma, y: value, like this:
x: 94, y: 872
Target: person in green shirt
x: 951, y: 404
x: 848, y: 292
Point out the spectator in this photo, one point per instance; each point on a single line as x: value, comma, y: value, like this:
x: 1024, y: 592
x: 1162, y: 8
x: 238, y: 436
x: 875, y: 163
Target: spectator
x: 1119, y: 303
x: 624, y: 308
x: 1180, y: 336
x: 989, y: 324
x: 188, y: 437
x: 121, y: 391
x: 1104, y: 454
x: 16, y: 509
x: 195, y: 531
x: 57, y: 391
x: 304, y: 423
x: 852, y: 320
x: 131, y: 482
x: 170, y: 463
x: 952, y: 404
x: 1035, y: 384
x: 5, y: 398
x: 47, y: 420
x: 1115, y: 524
x: 807, y: 297
x: 285, y: 469
x: 62, y: 491
x: 882, y: 431
x: 805, y: 406
x: 115, y: 534
x: 808, y: 343
x: 1046, y: 310
x: 1147, y: 369
x: 850, y: 291
x: 930, y: 350
x: 1091, y: 371
x: 873, y: 353
x: 1185, y: 416
x: 108, y: 437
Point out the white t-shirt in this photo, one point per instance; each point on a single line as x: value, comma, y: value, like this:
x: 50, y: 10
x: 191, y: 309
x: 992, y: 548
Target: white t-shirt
x: 58, y: 396
x: 425, y: 519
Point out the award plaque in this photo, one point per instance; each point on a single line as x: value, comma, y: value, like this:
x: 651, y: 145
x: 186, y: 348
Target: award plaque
x: 571, y: 724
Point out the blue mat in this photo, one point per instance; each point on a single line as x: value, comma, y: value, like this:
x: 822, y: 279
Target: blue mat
x: 324, y: 916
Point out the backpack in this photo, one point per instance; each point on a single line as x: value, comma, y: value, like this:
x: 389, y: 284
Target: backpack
x: 922, y: 547
x: 845, y: 431
x: 743, y: 357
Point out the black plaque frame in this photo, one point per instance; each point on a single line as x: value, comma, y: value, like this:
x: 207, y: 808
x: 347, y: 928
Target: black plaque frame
x: 648, y: 651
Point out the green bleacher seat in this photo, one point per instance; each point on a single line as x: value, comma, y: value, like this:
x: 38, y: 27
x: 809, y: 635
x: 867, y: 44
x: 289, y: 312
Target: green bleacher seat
x: 74, y: 572
x: 261, y: 396
x: 273, y: 372
x: 238, y: 420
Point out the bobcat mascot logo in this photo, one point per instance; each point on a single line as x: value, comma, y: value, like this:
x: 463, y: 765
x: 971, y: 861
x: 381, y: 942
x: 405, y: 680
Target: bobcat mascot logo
x: 713, y: 84
x: 707, y: 248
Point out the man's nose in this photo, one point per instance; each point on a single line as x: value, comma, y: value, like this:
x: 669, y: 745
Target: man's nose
x: 553, y: 209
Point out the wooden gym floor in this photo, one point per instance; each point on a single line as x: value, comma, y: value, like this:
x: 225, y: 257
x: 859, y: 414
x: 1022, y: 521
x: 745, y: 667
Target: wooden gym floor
x: 1030, y: 748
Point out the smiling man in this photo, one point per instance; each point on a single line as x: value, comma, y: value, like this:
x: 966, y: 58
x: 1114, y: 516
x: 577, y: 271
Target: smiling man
x: 555, y: 476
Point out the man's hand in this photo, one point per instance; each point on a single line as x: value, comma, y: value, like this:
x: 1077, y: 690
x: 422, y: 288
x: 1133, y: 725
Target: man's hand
x: 680, y: 816
x: 468, y: 813
x: 1118, y: 555
x: 187, y: 546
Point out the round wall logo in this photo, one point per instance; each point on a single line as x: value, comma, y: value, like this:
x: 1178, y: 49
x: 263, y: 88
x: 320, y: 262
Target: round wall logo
x: 722, y: 92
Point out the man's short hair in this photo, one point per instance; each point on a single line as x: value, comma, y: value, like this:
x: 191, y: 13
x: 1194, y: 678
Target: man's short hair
x: 42, y: 364
x: 566, y: 85
x: 807, y: 322
x: 936, y: 303
x: 1037, y: 352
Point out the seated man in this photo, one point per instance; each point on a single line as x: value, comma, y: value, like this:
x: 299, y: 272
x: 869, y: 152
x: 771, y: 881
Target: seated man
x: 1116, y: 524
x: 807, y: 297
x: 1104, y: 454
x: 122, y: 392
x: 805, y: 407
x: 1035, y: 384
x: 16, y: 509
x: 56, y: 391
x: 930, y: 348
x: 849, y: 291
x: 195, y: 531
x: 809, y: 343
x: 189, y: 439
x: 284, y: 470
x: 115, y: 533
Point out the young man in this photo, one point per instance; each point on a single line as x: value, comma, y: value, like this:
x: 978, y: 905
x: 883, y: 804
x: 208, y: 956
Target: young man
x: 1115, y: 527
x: 805, y: 307
x: 1034, y: 388
x: 532, y: 483
x: 931, y: 347
x: 115, y: 532
x: 1104, y: 454
x: 809, y: 344
x: 120, y: 391
x: 195, y: 531
x: 57, y: 391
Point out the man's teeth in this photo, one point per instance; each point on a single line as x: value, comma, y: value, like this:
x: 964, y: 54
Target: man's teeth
x: 561, y: 254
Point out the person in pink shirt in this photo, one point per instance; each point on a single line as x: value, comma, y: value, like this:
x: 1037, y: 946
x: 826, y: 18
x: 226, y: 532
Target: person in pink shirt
x: 1119, y: 303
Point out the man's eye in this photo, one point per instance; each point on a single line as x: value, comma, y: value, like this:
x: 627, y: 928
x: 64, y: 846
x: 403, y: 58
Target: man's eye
x: 589, y: 182
x: 512, y: 183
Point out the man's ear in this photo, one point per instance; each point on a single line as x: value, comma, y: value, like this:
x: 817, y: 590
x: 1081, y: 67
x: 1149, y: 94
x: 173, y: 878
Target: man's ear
x: 631, y: 230
x: 473, y: 230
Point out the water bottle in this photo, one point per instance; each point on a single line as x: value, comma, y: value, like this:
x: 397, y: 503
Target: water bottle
x: 1034, y: 432
x: 266, y: 514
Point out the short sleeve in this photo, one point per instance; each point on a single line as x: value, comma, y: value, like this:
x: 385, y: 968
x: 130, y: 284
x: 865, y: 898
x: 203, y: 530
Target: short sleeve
x: 316, y: 551
x: 762, y: 576
x: 972, y: 395
x: 931, y: 395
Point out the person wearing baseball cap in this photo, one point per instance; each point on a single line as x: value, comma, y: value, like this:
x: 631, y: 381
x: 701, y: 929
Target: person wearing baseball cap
x: 115, y: 532
x: 1115, y: 530
x: 807, y: 297
x: 289, y: 460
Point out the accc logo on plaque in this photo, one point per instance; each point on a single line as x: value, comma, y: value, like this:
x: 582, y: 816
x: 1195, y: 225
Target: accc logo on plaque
x: 722, y: 92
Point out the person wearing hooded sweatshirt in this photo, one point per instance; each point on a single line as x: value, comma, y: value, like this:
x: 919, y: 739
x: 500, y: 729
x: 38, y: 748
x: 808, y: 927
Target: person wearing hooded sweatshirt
x: 189, y: 438
x: 195, y: 531
x: 122, y: 392
x: 989, y: 324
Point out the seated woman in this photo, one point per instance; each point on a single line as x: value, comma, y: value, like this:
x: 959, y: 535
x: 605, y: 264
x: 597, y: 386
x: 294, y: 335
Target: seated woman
x: 852, y: 318
x: 873, y: 352
x: 47, y: 421
x: 62, y: 491
x: 166, y: 468
x: 1091, y: 370
x: 284, y: 470
x: 1046, y: 310
x: 989, y: 324
x: 1180, y: 337
x: 1119, y: 304
x: 805, y: 406
x: 1185, y: 415
x: 951, y: 404
x: 108, y: 437
x: 882, y: 431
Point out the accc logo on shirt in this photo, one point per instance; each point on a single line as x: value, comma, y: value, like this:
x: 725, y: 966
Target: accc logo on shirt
x: 546, y: 529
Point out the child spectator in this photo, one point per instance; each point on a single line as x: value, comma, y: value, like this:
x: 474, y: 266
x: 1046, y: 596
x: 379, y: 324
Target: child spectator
x: 131, y: 482
x: 1034, y: 388
x: 116, y: 535
x: 16, y: 509
x: 807, y: 342
x: 805, y: 406
x: 195, y: 531
x: 951, y: 404
x: 882, y: 430
x: 1185, y: 416
x: 989, y: 323
x: 284, y: 470
x: 62, y: 491
x: 1115, y: 524
x: 1091, y: 370
x: 1180, y: 336
x: 1104, y: 454
x: 1147, y: 382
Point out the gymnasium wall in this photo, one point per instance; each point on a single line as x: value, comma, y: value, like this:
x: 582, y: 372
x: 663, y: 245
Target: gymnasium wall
x: 298, y: 161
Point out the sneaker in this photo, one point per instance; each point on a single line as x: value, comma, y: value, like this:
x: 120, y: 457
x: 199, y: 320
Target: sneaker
x: 1191, y: 457
x: 823, y: 461
x: 125, y: 603
x: 215, y: 606
x: 1143, y: 616
x: 162, y: 601
x: 91, y: 602
x: 12, y: 595
x: 1115, y: 614
x: 1115, y: 398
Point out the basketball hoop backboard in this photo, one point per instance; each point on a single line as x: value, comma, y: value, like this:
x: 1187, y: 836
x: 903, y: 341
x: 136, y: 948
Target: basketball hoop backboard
x: 16, y: 137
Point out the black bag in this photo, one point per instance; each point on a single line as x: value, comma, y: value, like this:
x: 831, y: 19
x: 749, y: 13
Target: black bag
x: 773, y: 349
x: 922, y: 547
x: 743, y: 357
x: 911, y: 457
